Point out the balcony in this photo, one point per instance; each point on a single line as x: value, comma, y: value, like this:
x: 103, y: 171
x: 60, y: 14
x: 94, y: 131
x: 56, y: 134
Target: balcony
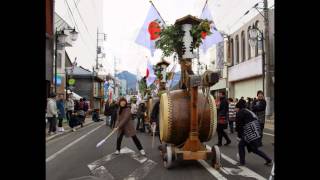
x: 246, y: 69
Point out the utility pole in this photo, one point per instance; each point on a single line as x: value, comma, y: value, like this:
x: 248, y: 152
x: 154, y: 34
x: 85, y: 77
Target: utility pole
x: 97, y: 66
x: 267, y: 79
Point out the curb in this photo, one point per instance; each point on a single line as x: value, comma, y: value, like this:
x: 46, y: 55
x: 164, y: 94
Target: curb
x: 68, y: 130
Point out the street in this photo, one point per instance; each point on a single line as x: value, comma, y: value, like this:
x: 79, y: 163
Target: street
x: 75, y: 156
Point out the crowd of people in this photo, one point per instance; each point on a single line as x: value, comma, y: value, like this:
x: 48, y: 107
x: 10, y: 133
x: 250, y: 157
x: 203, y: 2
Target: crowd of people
x: 248, y: 119
x: 59, y: 108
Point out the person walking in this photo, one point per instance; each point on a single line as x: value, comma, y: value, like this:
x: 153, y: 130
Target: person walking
x: 249, y: 103
x: 69, y: 107
x: 52, y: 113
x: 140, y: 114
x: 222, y: 119
x: 81, y: 113
x: 125, y: 126
x: 61, y: 112
x: 232, y: 114
x: 107, y: 112
x: 114, y: 111
x: 134, y: 109
x: 249, y: 133
x: 259, y: 108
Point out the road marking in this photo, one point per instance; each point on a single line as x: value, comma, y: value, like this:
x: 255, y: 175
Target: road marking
x: 142, y: 171
x: 242, y: 170
x: 98, y: 163
x: 52, y: 139
x: 269, y: 134
x: 246, y: 172
x: 211, y: 170
x: 98, y: 170
x: 71, y: 144
x: 102, y: 172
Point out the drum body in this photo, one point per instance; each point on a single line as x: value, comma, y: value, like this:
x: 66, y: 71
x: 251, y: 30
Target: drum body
x: 175, y: 117
x: 150, y: 105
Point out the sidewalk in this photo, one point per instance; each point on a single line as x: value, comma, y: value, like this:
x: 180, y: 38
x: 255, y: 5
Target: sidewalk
x: 269, y: 124
x: 67, y: 128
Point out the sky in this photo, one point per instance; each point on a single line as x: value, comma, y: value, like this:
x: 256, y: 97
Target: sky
x: 122, y: 20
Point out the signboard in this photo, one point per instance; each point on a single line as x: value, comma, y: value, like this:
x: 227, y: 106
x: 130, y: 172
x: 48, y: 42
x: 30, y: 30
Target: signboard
x: 71, y: 82
x: 59, y: 79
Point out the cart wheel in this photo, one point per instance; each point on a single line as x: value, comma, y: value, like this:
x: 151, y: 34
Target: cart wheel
x: 216, y: 160
x: 167, y: 158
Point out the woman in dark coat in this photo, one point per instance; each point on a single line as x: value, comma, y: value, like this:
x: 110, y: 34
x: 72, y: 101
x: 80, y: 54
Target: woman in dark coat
x: 248, y: 129
x: 125, y: 126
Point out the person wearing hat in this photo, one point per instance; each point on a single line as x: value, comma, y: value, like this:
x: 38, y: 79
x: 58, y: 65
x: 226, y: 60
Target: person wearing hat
x: 248, y: 128
x: 52, y: 113
x: 125, y: 126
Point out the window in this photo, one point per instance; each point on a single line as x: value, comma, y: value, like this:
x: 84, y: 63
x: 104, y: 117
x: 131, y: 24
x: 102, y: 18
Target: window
x: 249, y: 47
x: 256, y: 47
x: 231, y: 56
x: 237, y: 50
x: 243, y: 46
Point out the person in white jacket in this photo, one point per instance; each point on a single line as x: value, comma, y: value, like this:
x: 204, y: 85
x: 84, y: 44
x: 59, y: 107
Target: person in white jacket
x: 52, y: 113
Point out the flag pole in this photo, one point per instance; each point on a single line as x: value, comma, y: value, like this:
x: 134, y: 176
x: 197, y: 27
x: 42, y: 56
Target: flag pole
x: 157, y: 11
x: 204, y: 6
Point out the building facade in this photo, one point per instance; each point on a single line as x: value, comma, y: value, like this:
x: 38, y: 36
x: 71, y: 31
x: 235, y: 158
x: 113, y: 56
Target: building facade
x: 245, y: 74
x: 89, y: 86
x: 49, y: 46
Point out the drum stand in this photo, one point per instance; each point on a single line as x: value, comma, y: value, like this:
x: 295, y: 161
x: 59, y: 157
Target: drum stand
x: 192, y: 149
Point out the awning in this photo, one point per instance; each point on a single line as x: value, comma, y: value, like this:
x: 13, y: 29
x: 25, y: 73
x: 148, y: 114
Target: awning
x: 74, y: 95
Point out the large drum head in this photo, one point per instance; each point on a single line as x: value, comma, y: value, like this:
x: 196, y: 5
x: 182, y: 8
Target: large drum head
x: 163, y: 119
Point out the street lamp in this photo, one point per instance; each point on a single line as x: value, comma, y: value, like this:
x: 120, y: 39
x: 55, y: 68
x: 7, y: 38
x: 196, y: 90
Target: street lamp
x: 61, y: 39
x: 255, y: 35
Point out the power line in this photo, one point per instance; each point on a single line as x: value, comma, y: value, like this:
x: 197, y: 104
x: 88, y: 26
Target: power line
x: 72, y: 18
x: 82, y: 18
x: 243, y: 15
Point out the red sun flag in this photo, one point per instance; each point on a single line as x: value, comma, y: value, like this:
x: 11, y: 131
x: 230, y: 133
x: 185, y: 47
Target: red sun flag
x: 203, y: 35
x: 154, y: 30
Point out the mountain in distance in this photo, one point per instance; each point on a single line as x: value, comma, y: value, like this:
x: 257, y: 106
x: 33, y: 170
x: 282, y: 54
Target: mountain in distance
x: 130, y: 78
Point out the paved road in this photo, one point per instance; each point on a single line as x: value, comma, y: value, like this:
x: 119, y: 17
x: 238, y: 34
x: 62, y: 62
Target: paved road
x: 75, y: 156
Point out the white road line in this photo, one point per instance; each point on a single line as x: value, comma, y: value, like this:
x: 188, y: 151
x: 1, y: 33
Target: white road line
x: 49, y: 141
x: 268, y: 134
x: 98, y: 163
x: 71, y: 144
x: 242, y: 171
x: 142, y: 171
x: 211, y: 170
x: 246, y: 172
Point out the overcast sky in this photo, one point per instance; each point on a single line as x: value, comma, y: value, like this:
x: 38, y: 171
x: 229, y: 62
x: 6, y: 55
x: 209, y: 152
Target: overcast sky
x: 122, y: 19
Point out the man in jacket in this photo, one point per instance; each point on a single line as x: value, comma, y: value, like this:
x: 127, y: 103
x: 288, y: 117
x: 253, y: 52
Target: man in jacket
x: 141, y: 112
x: 259, y: 108
x: 223, y: 111
x: 61, y: 113
x: 52, y: 113
x: 249, y: 133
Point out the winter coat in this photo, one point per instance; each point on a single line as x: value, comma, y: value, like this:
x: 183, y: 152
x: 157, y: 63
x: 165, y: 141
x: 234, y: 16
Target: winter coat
x: 223, y: 110
x: 248, y: 128
x: 69, y: 105
x: 232, y: 112
x: 141, y: 110
x: 155, y: 112
x: 60, y: 106
x: 107, y: 109
x: 52, y: 108
x: 259, y: 108
x: 124, y: 124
